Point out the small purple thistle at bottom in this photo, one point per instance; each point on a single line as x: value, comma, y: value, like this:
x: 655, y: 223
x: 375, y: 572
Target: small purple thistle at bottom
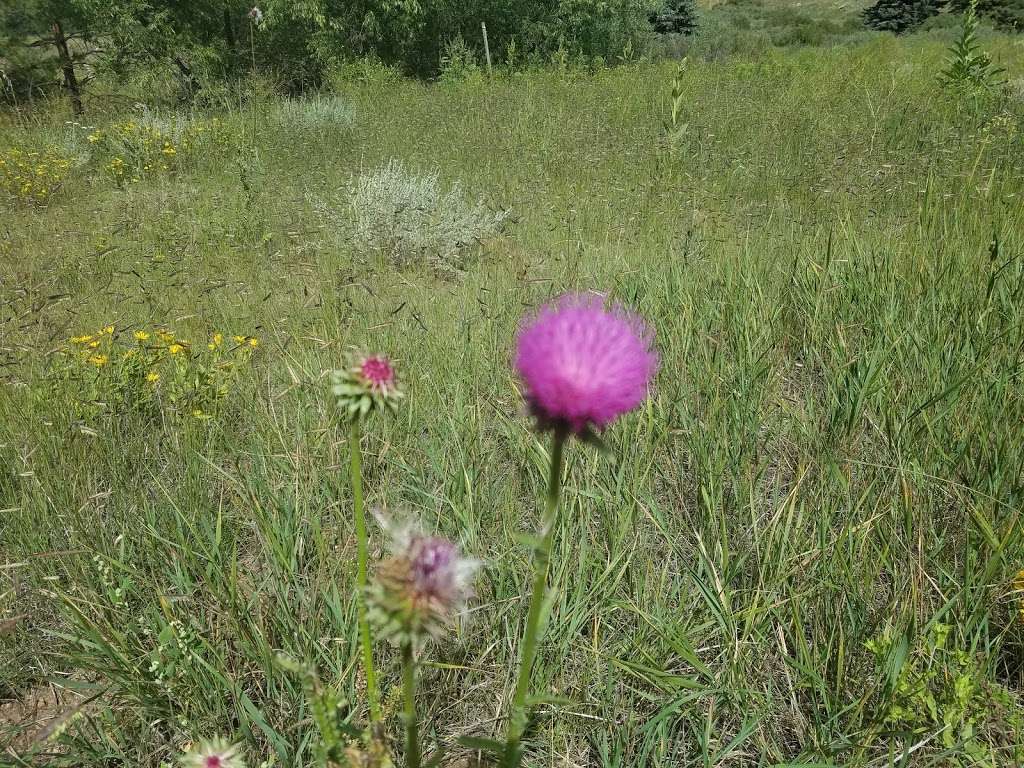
x: 422, y: 587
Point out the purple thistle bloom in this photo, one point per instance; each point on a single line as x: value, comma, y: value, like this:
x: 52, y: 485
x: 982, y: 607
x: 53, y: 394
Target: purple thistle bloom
x: 584, y: 364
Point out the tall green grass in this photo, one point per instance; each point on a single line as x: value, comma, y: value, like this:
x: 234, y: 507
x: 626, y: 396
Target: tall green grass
x: 831, y: 256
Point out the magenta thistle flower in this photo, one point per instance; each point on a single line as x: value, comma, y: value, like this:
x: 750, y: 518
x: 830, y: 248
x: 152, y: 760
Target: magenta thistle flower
x: 368, y: 382
x: 213, y: 753
x: 584, y: 364
x: 421, y: 587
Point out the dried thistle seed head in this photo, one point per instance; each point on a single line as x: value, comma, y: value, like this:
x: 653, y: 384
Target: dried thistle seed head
x: 213, y: 753
x: 421, y: 587
x: 368, y: 383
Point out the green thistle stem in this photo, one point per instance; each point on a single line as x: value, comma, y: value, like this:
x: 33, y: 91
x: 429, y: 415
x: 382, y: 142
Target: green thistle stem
x: 412, y: 736
x: 542, y: 556
x: 359, y: 513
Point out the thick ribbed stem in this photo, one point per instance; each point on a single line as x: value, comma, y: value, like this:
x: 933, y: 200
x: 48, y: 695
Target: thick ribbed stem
x: 542, y: 556
x: 359, y: 514
x: 412, y: 726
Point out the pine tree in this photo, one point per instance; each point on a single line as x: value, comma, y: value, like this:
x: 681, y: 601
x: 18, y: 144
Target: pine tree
x: 1005, y: 14
x: 900, y: 16
x: 676, y: 17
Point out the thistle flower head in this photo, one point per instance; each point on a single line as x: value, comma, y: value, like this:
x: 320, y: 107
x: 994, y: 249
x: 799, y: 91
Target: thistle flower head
x: 377, y: 373
x: 256, y: 15
x: 584, y: 364
x: 213, y: 753
x: 421, y: 587
x: 368, y: 382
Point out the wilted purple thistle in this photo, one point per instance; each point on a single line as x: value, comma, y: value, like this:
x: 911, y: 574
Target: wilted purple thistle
x: 421, y: 587
x: 435, y: 570
x: 584, y: 364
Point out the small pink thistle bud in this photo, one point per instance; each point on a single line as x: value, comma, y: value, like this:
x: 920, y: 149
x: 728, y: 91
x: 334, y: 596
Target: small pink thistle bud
x: 420, y: 589
x: 378, y: 373
x: 213, y: 753
x: 366, y: 383
x: 584, y: 364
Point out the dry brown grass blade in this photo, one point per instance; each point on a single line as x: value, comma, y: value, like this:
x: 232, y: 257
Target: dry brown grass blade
x: 7, y: 625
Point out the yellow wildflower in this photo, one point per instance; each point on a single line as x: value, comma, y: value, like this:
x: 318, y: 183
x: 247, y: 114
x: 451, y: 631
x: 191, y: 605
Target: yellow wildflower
x: 1018, y: 588
x: 98, y: 360
x: 254, y: 342
x: 216, y: 340
x: 94, y: 344
x: 81, y: 339
x: 239, y: 339
x: 165, y: 336
x: 141, y: 336
x: 152, y: 377
x: 175, y: 348
x: 108, y: 330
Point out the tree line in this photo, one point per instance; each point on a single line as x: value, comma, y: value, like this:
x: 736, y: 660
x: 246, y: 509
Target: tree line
x: 901, y: 16
x: 61, y: 42
x: 49, y: 44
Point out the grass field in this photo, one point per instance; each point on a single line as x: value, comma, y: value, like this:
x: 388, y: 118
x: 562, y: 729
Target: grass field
x: 801, y: 551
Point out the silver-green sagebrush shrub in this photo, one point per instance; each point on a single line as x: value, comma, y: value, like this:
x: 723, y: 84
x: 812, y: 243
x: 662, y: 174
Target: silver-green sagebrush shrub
x: 408, y: 219
x: 319, y: 114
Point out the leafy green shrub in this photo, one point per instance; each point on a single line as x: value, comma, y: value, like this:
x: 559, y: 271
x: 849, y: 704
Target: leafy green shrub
x: 969, y: 65
x: 933, y: 688
x: 459, y: 62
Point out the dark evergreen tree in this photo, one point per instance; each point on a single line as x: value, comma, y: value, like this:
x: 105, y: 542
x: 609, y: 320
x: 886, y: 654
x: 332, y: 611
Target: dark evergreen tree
x: 1005, y: 14
x: 676, y: 17
x: 900, y: 16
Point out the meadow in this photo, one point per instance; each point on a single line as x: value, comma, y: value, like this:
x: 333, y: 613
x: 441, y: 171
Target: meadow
x: 802, y: 550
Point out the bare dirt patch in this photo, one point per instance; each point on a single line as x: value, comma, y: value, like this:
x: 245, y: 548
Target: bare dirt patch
x: 34, y: 715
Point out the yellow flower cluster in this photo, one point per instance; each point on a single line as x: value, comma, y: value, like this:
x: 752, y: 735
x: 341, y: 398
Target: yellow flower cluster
x: 154, y: 369
x: 1017, y: 589
x: 137, y: 149
x: 31, y: 176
